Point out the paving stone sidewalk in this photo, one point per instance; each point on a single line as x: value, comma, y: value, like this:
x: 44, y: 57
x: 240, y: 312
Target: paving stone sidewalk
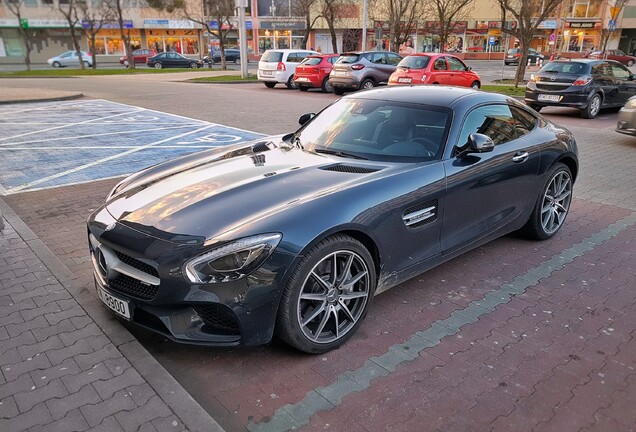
x: 60, y: 372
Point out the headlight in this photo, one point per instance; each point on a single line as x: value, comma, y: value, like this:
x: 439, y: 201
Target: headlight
x: 631, y: 104
x: 232, y: 261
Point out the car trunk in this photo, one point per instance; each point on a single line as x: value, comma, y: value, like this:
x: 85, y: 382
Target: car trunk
x: 270, y: 60
x: 550, y: 81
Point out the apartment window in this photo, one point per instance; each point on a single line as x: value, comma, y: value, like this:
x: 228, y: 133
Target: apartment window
x: 586, y: 9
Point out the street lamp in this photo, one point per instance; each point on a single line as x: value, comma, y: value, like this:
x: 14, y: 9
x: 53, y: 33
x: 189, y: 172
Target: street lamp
x: 272, y: 12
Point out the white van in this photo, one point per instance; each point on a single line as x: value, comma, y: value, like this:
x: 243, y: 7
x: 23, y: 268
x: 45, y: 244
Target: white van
x: 279, y: 65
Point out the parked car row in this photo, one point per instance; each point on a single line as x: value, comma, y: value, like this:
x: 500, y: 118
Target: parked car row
x: 361, y: 70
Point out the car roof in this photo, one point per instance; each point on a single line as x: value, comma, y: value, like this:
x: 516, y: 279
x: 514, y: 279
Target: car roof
x: 447, y: 96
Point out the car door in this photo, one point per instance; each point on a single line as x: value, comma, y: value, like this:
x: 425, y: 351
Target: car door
x: 457, y: 72
x: 440, y: 71
x: 624, y: 82
x: 487, y: 191
x: 604, y: 79
x: 66, y: 59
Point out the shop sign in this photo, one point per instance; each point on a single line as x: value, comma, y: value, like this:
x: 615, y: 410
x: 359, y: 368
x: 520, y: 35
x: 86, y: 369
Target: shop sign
x: 481, y: 25
x: 548, y: 24
x: 455, y: 25
x: 109, y: 24
x: 584, y: 25
x: 235, y: 24
x: 9, y: 22
x: 169, y: 24
x: 47, y: 23
x: 282, y: 25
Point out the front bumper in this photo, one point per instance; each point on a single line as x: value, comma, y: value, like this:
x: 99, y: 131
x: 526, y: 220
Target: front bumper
x: 241, y: 312
x: 626, y: 123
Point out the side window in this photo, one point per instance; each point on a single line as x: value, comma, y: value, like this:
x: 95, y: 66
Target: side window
x: 332, y: 60
x: 523, y: 120
x: 456, y: 64
x: 393, y: 59
x: 294, y: 57
x: 602, y: 69
x: 440, y: 64
x: 495, y: 121
x: 379, y: 58
x: 620, y: 72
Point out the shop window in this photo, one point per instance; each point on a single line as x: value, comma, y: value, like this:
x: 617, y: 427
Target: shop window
x: 114, y: 46
x: 99, y: 47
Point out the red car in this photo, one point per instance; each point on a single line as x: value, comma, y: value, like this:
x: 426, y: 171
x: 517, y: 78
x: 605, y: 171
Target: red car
x: 433, y: 68
x: 314, y: 71
x: 617, y: 55
x: 140, y: 56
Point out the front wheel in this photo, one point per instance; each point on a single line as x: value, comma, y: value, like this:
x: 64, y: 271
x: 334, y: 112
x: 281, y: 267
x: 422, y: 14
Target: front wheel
x: 475, y: 85
x: 237, y: 61
x: 56, y: 64
x: 552, y: 205
x: 593, y: 107
x: 193, y: 65
x: 327, y: 296
x: 158, y: 66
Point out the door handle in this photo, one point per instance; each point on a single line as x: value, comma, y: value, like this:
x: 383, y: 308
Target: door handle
x: 520, y: 157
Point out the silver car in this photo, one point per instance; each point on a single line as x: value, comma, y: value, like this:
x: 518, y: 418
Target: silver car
x: 627, y: 118
x: 362, y: 70
x: 69, y: 58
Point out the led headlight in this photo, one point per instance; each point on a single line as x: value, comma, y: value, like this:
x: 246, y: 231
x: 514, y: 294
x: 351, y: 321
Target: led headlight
x: 631, y: 104
x: 232, y: 261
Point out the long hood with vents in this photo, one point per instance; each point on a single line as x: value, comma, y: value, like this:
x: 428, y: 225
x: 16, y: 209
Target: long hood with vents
x: 221, y: 190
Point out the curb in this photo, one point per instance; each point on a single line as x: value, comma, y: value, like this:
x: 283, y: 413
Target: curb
x: 191, y: 414
x: 219, y: 82
x: 51, y: 99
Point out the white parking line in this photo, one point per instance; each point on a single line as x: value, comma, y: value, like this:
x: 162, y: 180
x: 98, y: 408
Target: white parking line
x: 68, y: 125
x: 107, y: 147
x: 95, y: 135
x: 100, y: 161
x: 64, y: 105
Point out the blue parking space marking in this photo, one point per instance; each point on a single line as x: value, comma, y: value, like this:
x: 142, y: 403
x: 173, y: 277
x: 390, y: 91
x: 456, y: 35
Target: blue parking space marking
x: 56, y: 144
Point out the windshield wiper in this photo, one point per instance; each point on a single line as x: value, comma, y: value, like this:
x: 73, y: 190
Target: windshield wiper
x: 340, y: 153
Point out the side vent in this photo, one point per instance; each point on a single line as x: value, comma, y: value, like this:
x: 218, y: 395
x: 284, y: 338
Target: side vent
x: 420, y: 214
x: 351, y: 169
x: 260, y: 147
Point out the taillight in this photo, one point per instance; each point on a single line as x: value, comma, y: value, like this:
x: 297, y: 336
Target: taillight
x: 423, y: 77
x: 281, y: 66
x: 357, y: 66
x: 582, y: 80
x: 517, y: 55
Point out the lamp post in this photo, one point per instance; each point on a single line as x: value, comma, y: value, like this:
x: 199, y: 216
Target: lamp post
x: 241, y: 5
x: 364, y: 25
x: 272, y: 12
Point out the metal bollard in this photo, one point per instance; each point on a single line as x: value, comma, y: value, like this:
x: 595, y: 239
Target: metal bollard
x: 529, y: 62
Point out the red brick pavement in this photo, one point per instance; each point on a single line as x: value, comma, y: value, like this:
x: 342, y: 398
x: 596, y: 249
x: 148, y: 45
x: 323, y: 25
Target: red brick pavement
x: 509, y: 366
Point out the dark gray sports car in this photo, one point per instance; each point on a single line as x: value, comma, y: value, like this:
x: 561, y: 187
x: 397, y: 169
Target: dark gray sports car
x: 295, y: 234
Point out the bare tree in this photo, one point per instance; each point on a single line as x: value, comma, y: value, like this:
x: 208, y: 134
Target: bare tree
x: 448, y: 13
x: 94, y: 14
x: 221, y: 12
x: 402, y: 17
x: 305, y: 8
x: 68, y: 8
x: 615, y: 11
x: 529, y: 15
x: 118, y: 9
x: 16, y: 7
x: 330, y: 9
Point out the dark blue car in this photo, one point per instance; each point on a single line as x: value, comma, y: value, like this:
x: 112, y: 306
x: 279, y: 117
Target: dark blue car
x: 295, y: 234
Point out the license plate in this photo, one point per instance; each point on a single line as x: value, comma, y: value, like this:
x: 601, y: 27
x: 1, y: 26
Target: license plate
x: 404, y: 80
x: 550, y: 98
x: 302, y: 79
x: 266, y: 72
x: 117, y: 305
x: 337, y: 73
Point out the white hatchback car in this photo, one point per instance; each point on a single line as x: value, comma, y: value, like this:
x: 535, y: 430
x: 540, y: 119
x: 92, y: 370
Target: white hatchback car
x: 69, y: 58
x: 279, y: 65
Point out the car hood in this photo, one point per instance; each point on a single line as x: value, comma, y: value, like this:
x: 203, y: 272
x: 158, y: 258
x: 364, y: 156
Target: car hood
x: 220, y: 191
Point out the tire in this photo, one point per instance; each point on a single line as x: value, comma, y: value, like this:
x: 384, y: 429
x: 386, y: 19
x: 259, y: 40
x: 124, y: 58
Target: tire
x: 158, y: 66
x: 193, y: 65
x: 290, y: 83
x: 303, y: 88
x: 537, y: 108
x: 269, y: 84
x: 335, y: 311
x: 326, y: 86
x: 56, y: 64
x: 237, y: 61
x: 366, y: 84
x: 339, y: 91
x: 541, y: 225
x: 630, y: 63
x: 593, y: 107
x: 126, y: 64
x: 476, y: 85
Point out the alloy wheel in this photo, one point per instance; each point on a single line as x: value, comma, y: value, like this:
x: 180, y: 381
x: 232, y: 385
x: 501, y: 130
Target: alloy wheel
x: 595, y: 105
x: 556, y: 202
x: 333, y: 297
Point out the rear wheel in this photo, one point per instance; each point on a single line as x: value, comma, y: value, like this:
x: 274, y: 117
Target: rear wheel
x: 475, y: 85
x: 158, y: 66
x: 327, y: 296
x: 593, y: 107
x: 338, y: 91
x: 367, y: 84
x: 237, y: 61
x: 193, y: 65
x: 630, y: 63
x: 303, y: 88
x: 326, y: 86
x: 552, y: 206
x: 290, y: 83
x: 269, y: 84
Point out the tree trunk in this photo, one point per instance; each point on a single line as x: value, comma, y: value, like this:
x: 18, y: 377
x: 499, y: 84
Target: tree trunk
x: 222, y: 47
x: 27, y: 48
x: 93, y: 36
x: 303, y: 44
x: 334, y: 40
x: 77, y: 47
x: 124, y: 37
x: 524, y: 45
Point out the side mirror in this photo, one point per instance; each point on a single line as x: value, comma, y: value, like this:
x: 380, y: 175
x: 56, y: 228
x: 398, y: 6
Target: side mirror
x: 305, y: 118
x: 480, y: 143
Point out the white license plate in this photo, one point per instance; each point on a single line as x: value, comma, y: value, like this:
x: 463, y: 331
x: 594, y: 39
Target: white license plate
x: 265, y: 72
x: 338, y: 73
x: 404, y: 80
x: 302, y: 79
x: 550, y: 98
x: 119, y: 306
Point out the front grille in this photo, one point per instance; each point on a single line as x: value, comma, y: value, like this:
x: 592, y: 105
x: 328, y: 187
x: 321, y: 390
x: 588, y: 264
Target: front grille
x: 352, y: 169
x: 136, y: 264
x: 218, y: 318
x: 133, y: 287
x: 553, y: 87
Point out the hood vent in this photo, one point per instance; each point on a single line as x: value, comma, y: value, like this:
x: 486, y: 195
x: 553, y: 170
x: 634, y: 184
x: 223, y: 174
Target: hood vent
x: 260, y: 147
x: 351, y: 169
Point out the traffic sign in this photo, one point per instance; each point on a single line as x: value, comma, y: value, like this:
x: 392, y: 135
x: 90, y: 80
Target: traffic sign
x: 611, y: 25
x: 491, y: 40
x: 552, y: 37
x: 24, y: 23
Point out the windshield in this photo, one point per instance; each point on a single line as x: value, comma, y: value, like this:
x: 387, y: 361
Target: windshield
x: 513, y: 50
x: 272, y: 56
x: 414, y: 62
x: 566, y: 67
x: 378, y: 130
